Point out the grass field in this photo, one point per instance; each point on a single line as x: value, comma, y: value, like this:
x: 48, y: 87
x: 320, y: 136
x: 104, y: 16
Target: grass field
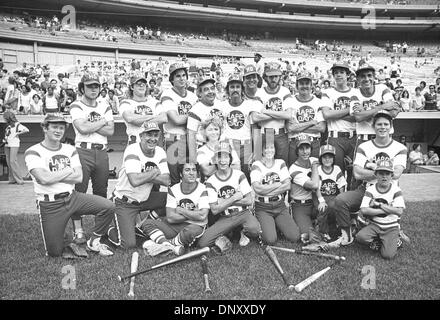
x: 242, y: 274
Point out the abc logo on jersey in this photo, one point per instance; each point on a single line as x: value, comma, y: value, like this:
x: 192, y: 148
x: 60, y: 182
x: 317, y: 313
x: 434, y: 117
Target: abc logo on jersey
x: 381, y: 156
x: 274, y: 104
x: 58, y: 162
x: 270, y: 178
x: 305, y: 114
x: 93, y: 116
x: 226, y: 192
x: 143, y: 109
x: 149, y: 166
x: 187, y: 204
x: 342, y: 103
x: 235, y: 119
x: 329, y: 187
x: 183, y: 107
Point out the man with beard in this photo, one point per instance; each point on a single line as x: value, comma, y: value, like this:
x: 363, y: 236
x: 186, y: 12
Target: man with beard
x: 176, y: 102
x: 306, y: 117
x: 93, y: 122
x: 275, y: 112
x: 341, y: 126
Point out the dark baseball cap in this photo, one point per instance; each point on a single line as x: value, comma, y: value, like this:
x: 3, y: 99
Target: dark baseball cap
x: 365, y: 67
x: 54, y: 118
x: 205, y: 80
x: 382, y: 114
x: 341, y: 66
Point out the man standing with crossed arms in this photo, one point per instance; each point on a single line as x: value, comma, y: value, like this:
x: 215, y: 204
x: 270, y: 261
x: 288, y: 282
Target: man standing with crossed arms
x: 92, y: 121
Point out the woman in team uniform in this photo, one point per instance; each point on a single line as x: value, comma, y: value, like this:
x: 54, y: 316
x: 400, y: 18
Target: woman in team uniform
x: 270, y: 180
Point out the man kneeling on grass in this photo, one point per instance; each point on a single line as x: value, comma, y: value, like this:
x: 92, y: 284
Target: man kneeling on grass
x: 55, y: 169
x: 383, y: 206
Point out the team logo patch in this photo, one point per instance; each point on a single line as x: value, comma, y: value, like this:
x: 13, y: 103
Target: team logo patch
x: 305, y: 114
x: 235, y: 119
x: 149, y: 166
x: 369, y: 104
x: 226, y: 192
x: 187, y: 204
x: 94, y: 116
x: 381, y: 156
x: 342, y: 103
x: 270, y: 178
x: 58, y: 162
x: 216, y: 113
x: 329, y: 188
x: 143, y: 109
x: 274, y: 104
x: 183, y: 107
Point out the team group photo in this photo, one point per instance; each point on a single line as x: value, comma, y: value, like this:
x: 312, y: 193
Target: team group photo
x: 174, y: 150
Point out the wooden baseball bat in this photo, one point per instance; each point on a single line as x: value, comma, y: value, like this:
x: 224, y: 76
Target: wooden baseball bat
x: 189, y: 255
x: 305, y: 283
x: 205, y: 274
x: 311, y: 253
x: 133, y: 268
x: 272, y: 256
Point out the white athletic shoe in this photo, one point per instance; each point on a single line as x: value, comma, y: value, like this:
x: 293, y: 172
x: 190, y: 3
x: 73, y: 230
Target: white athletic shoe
x: 79, y: 237
x: 244, y: 240
x: 404, y: 237
x: 343, y: 240
x: 177, y: 249
x: 97, y: 246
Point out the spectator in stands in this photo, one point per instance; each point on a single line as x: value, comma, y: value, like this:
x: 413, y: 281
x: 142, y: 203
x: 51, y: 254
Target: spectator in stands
x: 432, y: 158
x: 50, y: 101
x: 405, y: 101
x: 418, y: 101
x: 415, y: 157
x: 12, y: 95
x: 431, y: 98
x: 36, y: 105
x: 4, y: 79
x: 388, y: 83
x: 399, y: 87
x: 24, y: 99
x: 154, y: 89
x: 113, y: 101
x: 422, y: 88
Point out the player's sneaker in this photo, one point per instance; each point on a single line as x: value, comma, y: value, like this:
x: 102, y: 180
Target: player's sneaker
x: 399, y: 243
x: 177, y: 249
x: 244, y: 240
x: 79, y: 237
x: 347, y: 237
x: 404, y: 237
x: 97, y: 246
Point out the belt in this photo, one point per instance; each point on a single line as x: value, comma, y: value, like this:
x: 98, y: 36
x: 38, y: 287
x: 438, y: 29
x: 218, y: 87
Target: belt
x: 54, y: 196
x: 270, y: 199
x: 89, y: 145
x: 307, y: 201
x: 336, y: 134
x: 311, y: 138
x: 242, y: 142
x: 229, y: 212
x: 173, y: 136
x: 366, y: 137
x: 276, y: 130
x: 125, y: 199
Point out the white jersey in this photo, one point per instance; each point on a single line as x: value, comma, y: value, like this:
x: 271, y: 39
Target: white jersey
x: 237, y: 124
x: 173, y: 101
x: 199, y: 113
x: 135, y: 161
x: 79, y: 110
x: 370, y: 152
x: 331, y: 182
x: 274, y: 102
x: 224, y: 189
x: 194, y: 200
x: 300, y: 175
x: 308, y: 111
x: 277, y: 173
x: 144, y: 108
x: 340, y: 100
x: 11, y: 134
x: 38, y: 156
x: 393, y: 197
x: 381, y: 95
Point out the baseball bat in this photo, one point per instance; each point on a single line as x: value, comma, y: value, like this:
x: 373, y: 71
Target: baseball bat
x: 305, y: 283
x: 133, y: 268
x: 205, y: 273
x: 272, y: 256
x: 189, y: 255
x: 311, y: 253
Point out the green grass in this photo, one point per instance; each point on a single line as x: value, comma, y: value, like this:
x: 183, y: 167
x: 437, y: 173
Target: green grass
x: 243, y: 273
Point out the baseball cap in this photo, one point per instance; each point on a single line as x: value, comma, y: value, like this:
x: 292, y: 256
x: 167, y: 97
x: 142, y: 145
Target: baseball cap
x: 223, y: 146
x: 136, y: 78
x: 148, y: 126
x: 303, y: 139
x: 272, y: 69
x: 327, y: 148
x: 364, y: 68
x: 304, y: 75
x: 342, y: 66
x: 176, y: 66
x: 234, y: 78
x: 382, y: 114
x: 384, y: 165
x: 205, y: 80
x: 54, y: 118
x: 89, y: 78
x: 249, y: 69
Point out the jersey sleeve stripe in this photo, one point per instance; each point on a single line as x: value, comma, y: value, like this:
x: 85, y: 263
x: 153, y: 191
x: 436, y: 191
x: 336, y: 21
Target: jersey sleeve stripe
x: 132, y: 157
x: 31, y: 152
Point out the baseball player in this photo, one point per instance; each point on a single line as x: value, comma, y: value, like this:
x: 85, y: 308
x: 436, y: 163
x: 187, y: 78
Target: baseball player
x: 250, y: 81
x: 55, y: 169
x: 206, y: 107
x: 306, y: 117
x: 332, y: 183
x: 382, y: 147
x: 383, y: 205
x: 271, y: 180
x: 341, y: 125
x: 276, y: 111
x: 187, y: 211
x: 238, y: 115
x: 176, y: 102
x: 145, y: 164
x: 305, y: 180
x: 139, y: 107
x: 230, y: 196
x: 92, y: 121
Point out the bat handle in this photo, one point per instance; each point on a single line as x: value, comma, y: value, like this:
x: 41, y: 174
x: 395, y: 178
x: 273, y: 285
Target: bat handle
x: 285, y: 279
x: 207, y: 287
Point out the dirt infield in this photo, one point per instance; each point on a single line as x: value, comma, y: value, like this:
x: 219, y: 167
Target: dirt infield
x: 19, y: 199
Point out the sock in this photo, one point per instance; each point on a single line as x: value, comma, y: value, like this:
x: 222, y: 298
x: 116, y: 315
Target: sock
x: 157, y: 236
